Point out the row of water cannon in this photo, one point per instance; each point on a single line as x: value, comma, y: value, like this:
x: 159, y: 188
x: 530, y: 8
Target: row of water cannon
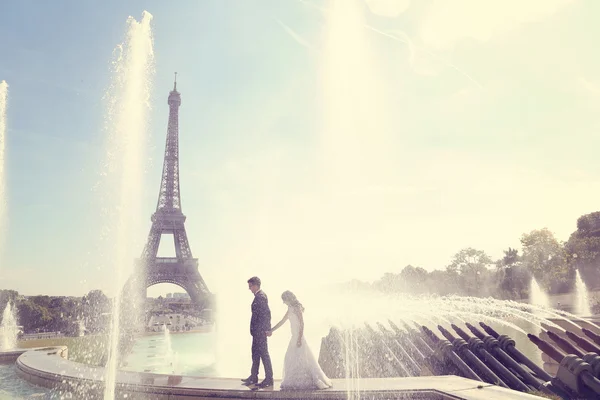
x: 477, y: 352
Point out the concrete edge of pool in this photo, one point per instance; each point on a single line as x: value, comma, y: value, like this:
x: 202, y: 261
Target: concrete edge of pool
x: 49, y: 367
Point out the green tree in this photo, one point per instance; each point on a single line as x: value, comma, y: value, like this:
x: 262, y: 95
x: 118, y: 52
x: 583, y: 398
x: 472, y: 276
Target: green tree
x: 583, y: 248
x: 412, y: 274
x: 512, y: 278
x: 42, y: 301
x: 511, y: 257
x: 413, y: 279
x: 389, y: 283
x: 409, y: 280
x: 545, y: 258
x: 33, y: 317
x: 95, y: 307
x: 471, y: 267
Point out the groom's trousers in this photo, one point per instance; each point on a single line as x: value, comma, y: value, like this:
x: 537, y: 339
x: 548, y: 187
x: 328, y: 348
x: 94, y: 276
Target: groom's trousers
x: 260, y: 350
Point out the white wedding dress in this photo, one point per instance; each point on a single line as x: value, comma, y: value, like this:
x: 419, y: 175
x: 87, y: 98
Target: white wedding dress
x: 301, y: 371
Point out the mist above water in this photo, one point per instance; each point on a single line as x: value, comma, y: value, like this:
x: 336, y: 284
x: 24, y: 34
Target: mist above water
x: 348, y: 309
x: 127, y: 121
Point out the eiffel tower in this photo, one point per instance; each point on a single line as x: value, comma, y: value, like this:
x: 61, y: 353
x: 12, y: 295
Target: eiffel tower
x: 181, y: 270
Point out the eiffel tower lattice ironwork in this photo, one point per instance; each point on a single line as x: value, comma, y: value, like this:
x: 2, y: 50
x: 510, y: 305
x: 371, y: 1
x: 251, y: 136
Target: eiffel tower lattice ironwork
x: 181, y: 270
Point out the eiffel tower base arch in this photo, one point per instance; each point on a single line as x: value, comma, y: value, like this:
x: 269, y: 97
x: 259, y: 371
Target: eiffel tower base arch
x: 183, y: 274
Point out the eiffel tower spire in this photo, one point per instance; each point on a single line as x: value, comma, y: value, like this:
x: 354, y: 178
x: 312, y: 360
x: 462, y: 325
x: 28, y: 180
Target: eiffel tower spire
x: 169, y: 196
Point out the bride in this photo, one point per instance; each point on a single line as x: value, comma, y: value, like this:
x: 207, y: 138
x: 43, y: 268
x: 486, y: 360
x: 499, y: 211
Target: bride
x: 300, y: 368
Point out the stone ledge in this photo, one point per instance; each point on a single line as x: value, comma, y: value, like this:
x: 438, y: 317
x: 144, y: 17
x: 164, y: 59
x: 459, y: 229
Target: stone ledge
x: 10, y: 356
x: 48, y: 367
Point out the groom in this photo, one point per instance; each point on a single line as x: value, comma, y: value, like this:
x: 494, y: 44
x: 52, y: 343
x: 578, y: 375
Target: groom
x: 259, y: 325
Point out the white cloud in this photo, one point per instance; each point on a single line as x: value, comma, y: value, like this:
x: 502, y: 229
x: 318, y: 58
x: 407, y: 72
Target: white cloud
x: 447, y: 22
x: 388, y: 8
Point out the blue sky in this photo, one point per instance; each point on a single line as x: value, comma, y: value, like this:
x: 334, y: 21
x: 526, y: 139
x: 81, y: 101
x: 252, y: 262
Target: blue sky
x: 316, y: 138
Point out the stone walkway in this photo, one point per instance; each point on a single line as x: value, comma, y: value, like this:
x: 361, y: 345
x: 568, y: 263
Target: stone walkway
x: 49, y: 367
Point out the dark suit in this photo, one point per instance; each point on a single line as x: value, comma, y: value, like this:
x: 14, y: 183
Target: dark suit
x: 259, y: 325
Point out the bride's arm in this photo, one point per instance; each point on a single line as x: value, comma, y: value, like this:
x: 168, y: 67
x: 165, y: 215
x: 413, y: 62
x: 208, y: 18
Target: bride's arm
x: 285, y: 317
x: 301, y: 329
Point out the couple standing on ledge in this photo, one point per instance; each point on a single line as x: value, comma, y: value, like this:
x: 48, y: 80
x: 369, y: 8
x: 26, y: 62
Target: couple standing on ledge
x: 300, y: 368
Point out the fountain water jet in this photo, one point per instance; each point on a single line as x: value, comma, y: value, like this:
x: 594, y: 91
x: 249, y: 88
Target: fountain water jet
x: 169, y: 353
x: 583, y: 303
x: 127, y: 118
x: 536, y: 295
x: 352, y: 363
x: 354, y: 104
x: 8, y: 329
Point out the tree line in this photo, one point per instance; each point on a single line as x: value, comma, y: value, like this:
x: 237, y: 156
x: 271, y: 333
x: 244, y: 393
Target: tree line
x: 472, y: 272
x: 68, y: 315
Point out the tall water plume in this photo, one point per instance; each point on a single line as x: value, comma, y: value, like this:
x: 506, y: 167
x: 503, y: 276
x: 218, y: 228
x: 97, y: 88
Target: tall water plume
x: 355, y: 146
x: 127, y: 117
x: 582, y: 306
x: 8, y: 329
x: 3, y: 106
x: 536, y: 295
x: 355, y: 132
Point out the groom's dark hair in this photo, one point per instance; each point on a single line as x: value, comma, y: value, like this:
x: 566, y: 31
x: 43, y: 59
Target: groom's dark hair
x: 255, y: 280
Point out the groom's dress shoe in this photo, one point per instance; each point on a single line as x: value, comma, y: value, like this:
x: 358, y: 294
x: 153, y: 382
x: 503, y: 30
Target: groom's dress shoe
x: 265, y: 384
x: 250, y: 381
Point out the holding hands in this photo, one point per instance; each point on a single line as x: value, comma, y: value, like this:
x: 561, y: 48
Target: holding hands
x: 298, y: 343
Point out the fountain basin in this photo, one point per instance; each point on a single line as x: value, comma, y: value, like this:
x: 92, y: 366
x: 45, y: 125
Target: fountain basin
x: 10, y: 356
x: 49, y: 367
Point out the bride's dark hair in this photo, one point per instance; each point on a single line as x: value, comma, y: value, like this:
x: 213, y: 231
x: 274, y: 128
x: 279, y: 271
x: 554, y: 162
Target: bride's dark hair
x: 291, y: 299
